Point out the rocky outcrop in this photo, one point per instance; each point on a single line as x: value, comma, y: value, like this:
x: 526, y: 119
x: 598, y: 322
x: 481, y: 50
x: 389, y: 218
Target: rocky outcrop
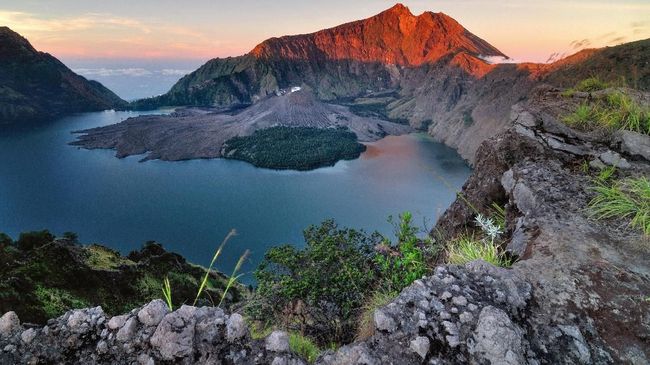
x: 35, y: 85
x: 147, y: 335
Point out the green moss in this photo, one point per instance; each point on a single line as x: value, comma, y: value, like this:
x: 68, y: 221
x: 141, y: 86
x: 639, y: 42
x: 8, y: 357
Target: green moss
x: 55, y: 302
x: 103, y: 258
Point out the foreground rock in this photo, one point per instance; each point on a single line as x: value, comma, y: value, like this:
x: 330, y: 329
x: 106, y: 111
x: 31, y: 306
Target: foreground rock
x: 148, y: 335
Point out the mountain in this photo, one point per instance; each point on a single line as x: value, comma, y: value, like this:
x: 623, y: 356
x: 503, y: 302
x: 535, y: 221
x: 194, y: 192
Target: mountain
x: 427, y: 71
x: 344, y: 61
x: 35, y: 85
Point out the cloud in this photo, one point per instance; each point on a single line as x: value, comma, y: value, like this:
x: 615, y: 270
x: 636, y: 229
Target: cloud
x: 617, y: 40
x: 173, y: 72
x: 131, y: 72
x: 107, y: 35
x: 107, y: 72
x: 497, y: 59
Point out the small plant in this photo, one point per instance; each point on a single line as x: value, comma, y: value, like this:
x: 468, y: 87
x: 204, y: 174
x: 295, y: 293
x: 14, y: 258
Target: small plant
x: 167, y: 293
x: 617, y: 111
x: 581, y: 117
x: 404, y: 262
x: 304, y: 347
x: 628, y: 198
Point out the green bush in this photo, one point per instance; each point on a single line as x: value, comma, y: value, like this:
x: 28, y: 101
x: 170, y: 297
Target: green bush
x: 5, y: 241
x: 320, y: 288
x: 624, y: 198
x: 401, y: 264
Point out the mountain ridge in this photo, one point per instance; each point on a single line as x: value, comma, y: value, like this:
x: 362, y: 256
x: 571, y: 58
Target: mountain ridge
x: 35, y: 85
x: 338, y: 62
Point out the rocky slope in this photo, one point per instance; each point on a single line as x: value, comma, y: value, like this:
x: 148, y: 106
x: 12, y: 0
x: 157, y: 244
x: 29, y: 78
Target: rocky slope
x: 35, y: 85
x: 578, y: 294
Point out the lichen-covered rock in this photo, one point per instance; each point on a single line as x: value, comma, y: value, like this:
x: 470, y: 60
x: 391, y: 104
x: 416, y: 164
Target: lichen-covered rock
x: 9, y: 322
x: 152, y: 313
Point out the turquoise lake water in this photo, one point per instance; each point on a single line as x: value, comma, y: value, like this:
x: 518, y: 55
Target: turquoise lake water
x: 190, y: 206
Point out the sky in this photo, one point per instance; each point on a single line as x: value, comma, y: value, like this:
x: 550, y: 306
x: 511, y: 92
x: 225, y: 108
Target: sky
x: 139, y: 48
x: 165, y: 29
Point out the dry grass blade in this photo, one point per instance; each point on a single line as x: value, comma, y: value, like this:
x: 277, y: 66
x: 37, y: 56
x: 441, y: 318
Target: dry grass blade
x: 234, y: 278
x: 204, y: 282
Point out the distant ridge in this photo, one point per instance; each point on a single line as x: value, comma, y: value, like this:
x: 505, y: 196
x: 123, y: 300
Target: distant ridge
x: 35, y: 85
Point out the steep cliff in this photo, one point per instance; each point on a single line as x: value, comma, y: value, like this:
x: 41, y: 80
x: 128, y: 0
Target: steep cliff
x: 35, y: 85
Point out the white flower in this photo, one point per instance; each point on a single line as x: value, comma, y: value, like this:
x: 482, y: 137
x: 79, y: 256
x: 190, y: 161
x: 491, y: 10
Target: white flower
x: 488, y: 227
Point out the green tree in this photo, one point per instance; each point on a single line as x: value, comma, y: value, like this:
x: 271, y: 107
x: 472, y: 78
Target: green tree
x: 31, y: 240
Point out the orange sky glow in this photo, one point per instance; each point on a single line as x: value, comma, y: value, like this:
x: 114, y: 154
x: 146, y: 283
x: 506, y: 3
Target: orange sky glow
x: 524, y: 30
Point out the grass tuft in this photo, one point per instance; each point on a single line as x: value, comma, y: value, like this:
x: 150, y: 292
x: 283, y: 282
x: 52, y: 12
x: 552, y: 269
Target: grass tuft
x: 379, y: 298
x: 304, y: 347
x: 591, y: 84
x: 627, y: 198
x: 167, y: 294
x: 618, y: 111
x: 467, y: 248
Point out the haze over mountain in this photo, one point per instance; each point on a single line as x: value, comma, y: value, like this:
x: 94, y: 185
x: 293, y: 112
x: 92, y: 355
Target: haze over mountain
x: 35, y: 85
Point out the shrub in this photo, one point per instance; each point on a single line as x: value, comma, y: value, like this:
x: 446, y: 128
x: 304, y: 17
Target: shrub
x: 304, y: 347
x: 5, y: 241
x: 322, y: 290
x: 55, y: 301
x: 31, y: 240
x: 626, y: 199
x: 317, y: 290
x: 401, y: 264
